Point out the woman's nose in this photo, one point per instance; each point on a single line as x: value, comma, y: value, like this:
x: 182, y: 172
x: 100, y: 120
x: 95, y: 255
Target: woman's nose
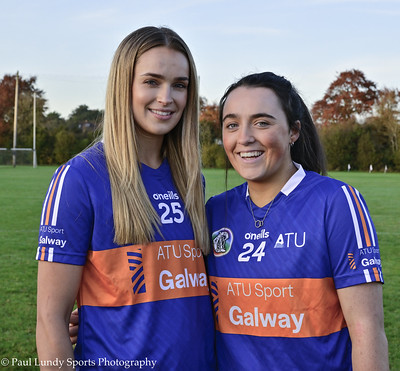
x: 164, y: 96
x: 245, y: 135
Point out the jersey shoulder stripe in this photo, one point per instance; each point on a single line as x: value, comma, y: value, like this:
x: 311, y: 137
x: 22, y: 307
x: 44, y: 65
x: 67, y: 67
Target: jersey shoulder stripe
x: 367, y: 217
x: 50, y: 206
x: 358, y: 212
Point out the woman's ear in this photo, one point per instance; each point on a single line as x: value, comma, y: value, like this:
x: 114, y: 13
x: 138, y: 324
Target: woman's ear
x: 295, y: 131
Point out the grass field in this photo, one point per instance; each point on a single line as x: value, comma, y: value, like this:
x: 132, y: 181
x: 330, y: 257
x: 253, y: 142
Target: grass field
x: 22, y: 191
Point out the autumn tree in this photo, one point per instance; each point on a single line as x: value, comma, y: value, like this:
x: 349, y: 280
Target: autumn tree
x: 212, y: 152
x: 384, y: 128
x: 351, y: 94
x: 210, y: 130
x: 26, y: 88
x: 25, y: 117
x: 388, y: 111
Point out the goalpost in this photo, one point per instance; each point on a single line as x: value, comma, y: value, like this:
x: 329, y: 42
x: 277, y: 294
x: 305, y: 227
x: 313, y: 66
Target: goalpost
x: 17, y: 156
x: 16, y: 150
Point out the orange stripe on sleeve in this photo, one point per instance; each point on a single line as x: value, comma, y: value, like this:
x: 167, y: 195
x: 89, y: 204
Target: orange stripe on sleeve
x: 376, y: 274
x: 364, y: 224
x: 51, y: 197
x: 43, y: 253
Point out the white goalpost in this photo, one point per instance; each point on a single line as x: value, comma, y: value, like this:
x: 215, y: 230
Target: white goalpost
x: 14, y: 150
x: 19, y: 156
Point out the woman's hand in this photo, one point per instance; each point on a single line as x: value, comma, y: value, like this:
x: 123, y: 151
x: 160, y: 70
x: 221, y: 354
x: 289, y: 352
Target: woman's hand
x: 73, y: 326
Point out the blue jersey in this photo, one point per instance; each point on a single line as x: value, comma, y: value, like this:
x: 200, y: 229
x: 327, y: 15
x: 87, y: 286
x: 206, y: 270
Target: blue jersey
x: 136, y: 303
x: 274, y: 287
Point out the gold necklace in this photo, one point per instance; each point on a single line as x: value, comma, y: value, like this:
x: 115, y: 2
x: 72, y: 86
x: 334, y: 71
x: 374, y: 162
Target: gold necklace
x: 257, y: 222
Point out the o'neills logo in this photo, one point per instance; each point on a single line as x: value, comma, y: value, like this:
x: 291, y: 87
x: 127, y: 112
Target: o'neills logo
x: 222, y: 241
x: 169, y: 195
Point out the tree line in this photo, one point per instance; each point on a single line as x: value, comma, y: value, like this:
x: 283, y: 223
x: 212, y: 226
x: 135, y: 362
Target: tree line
x: 57, y: 138
x: 358, y: 123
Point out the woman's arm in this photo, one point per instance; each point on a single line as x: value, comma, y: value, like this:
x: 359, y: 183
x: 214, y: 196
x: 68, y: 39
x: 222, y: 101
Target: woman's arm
x: 363, y: 311
x: 58, y: 286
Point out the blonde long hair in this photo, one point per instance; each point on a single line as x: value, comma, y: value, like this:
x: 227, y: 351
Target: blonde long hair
x: 135, y: 220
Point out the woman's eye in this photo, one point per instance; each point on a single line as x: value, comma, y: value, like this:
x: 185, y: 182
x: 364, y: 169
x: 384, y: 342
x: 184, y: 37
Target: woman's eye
x: 151, y: 82
x: 180, y: 85
x: 262, y: 123
x: 231, y: 125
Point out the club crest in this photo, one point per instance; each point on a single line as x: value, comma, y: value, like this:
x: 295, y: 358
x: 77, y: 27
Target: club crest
x: 222, y: 241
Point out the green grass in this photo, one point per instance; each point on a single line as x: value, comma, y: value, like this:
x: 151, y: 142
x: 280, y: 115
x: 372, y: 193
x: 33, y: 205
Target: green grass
x: 215, y: 181
x: 382, y: 194
x: 22, y: 191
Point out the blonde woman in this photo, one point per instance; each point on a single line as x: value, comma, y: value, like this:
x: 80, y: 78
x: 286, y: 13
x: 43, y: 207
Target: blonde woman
x: 123, y: 227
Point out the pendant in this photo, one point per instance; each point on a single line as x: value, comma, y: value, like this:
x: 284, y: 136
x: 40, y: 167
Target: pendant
x: 258, y: 223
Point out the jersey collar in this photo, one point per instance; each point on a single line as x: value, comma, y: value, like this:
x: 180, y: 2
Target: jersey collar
x: 292, y: 183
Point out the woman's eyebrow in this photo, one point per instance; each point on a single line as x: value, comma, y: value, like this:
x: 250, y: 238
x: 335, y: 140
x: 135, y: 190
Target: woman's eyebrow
x: 262, y: 114
x: 229, y: 116
x: 158, y: 76
x: 254, y: 116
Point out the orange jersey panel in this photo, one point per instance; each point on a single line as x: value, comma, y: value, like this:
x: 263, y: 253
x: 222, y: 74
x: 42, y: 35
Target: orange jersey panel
x: 135, y: 274
x: 276, y: 307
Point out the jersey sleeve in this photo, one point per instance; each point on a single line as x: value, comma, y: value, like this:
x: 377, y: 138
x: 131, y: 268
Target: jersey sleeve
x: 66, y: 222
x: 352, y: 240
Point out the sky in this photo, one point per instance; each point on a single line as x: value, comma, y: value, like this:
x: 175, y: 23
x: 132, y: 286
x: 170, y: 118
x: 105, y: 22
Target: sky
x: 69, y: 45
